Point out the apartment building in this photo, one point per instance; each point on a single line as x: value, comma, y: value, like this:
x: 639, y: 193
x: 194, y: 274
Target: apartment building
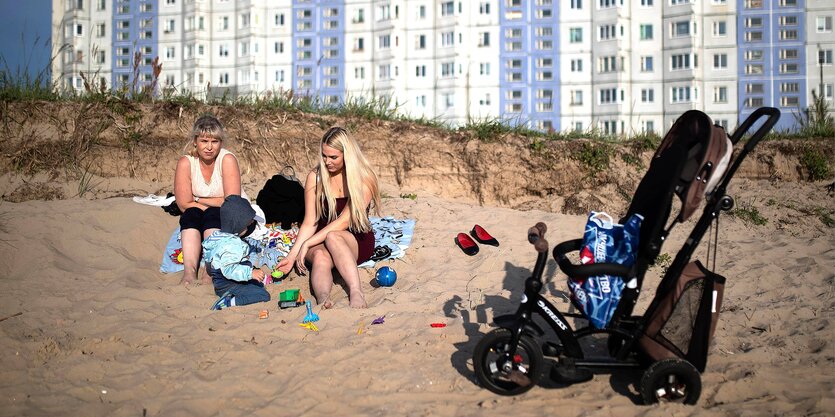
x: 615, y: 66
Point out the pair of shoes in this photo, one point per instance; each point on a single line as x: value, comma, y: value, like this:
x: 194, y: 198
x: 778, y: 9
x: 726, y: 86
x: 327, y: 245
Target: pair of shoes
x: 469, y: 246
x: 224, y: 301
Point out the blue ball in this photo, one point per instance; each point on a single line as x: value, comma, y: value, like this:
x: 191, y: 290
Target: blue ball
x: 386, y: 276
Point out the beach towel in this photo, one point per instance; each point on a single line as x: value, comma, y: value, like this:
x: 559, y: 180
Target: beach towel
x: 270, y: 243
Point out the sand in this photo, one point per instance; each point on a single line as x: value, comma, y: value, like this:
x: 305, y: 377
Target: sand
x: 90, y: 326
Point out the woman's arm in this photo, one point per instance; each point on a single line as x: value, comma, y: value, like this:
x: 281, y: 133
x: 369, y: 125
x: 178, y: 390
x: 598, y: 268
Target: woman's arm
x: 231, y: 181
x: 308, y: 226
x: 182, y: 186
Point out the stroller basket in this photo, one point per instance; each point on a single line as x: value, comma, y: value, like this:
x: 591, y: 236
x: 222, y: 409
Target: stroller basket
x: 683, y: 322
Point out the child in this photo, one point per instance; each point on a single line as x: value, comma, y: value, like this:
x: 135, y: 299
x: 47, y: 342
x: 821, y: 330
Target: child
x: 235, y: 280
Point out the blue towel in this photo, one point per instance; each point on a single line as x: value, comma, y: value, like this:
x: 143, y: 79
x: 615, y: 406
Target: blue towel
x: 388, y: 231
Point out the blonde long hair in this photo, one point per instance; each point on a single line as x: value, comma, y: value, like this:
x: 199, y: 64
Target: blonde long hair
x: 206, y: 125
x: 358, y: 172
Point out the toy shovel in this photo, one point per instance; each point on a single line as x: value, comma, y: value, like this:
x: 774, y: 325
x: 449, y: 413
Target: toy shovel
x: 310, y: 316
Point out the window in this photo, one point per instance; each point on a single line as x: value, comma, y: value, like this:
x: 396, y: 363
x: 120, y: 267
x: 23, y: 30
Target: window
x: 146, y: 7
x: 544, y: 93
x: 756, y: 88
x: 753, y: 36
x: 421, y: 13
x: 447, y: 8
x: 514, y: 46
x: 788, y: 35
x: 646, y: 3
x: 279, y: 47
x: 279, y: 19
x: 449, y: 100
x: 789, y: 101
x: 646, y: 64
x: 101, y: 4
x: 484, y: 39
x: 544, y: 106
x: 224, y: 23
x: 827, y: 91
x: 789, y: 68
x: 788, y: 3
x: 484, y: 8
x: 447, y: 69
x: 754, y: 55
x: 825, y: 57
x: 608, y: 95
x: 610, y: 127
x: 754, y: 22
x: 543, y: 13
x: 720, y: 94
x: 754, y: 69
x: 170, y: 25
x: 645, y: 32
x: 575, y: 35
x: 788, y: 20
x: 384, y: 71
x: 359, y: 44
x: 682, y: 62
x: 544, y: 75
x: 100, y: 57
x: 384, y: 41
x: 720, y: 28
x: 576, y: 97
x: 544, y: 45
x: 544, y: 63
x: 677, y: 2
x: 514, y: 63
x: 170, y: 53
x: 681, y: 28
x: 788, y: 54
x: 789, y: 87
x: 514, y: 76
x: 79, y: 29
x: 578, y: 126
x: 223, y: 50
x: 547, y: 31
x: 420, y: 101
x: 648, y: 126
x: 606, y: 32
x: 607, y: 64
x: 823, y: 24
x: 223, y: 79
x: 420, y: 42
x: 484, y: 68
x: 101, y: 30
x: 576, y: 4
x: 576, y: 65
x: 244, y: 20
x: 170, y: 2
x: 604, y: 4
x: 753, y: 4
x: 447, y: 39
x: 359, y: 73
x: 683, y: 94
x: 514, y: 95
x: 720, y: 61
x: 647, y: 95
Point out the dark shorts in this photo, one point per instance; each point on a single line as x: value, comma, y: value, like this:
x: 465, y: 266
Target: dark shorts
x: 202, y: 220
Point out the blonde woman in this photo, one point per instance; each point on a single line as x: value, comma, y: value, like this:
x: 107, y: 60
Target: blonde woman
x: 336, y: 231
x: 206, y: 175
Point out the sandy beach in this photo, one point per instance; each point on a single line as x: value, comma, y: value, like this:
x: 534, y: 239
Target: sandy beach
x: 91, y: 327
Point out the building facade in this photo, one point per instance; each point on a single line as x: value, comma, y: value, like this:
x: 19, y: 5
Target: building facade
x: 613, y: 66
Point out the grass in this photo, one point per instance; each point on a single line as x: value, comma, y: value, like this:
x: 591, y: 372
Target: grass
x: 816, y: 164
x: 749, y: 214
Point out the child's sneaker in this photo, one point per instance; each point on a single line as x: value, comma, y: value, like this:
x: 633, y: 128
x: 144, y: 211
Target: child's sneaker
x: 224, y: 301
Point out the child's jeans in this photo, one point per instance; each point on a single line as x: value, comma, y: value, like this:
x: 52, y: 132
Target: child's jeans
x: 249, y: 292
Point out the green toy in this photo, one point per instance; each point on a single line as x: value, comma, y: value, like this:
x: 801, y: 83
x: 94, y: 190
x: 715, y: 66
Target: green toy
x: 290, y: 298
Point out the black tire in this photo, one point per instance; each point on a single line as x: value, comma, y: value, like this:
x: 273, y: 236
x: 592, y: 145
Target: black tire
x: 671, y: 380
x: 525, y: 369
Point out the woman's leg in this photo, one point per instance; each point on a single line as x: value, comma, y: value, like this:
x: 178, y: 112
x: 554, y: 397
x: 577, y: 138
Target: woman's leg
x: 343, y: 249
x: 321, y: 276
x: 191, y: 241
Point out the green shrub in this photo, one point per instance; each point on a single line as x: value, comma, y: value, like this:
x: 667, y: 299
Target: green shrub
x: 817, y: 165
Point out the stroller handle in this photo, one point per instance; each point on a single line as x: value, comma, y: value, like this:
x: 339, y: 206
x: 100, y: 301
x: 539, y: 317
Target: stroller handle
x: 589, y: 270
x: 536, y: 235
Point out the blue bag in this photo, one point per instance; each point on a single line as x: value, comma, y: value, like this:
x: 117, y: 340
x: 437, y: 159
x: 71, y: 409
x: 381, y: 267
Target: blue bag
x: 604, y: 241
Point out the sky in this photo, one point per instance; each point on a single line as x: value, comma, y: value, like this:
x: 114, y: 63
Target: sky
x: 25, y: 33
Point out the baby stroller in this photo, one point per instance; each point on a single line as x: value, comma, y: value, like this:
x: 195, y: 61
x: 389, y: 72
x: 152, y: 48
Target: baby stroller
x: 670, y: 341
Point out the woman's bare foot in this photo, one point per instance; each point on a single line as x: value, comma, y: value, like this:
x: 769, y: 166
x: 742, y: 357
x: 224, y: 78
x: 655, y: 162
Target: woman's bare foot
x: 357, y: 300
x: 327, y: 304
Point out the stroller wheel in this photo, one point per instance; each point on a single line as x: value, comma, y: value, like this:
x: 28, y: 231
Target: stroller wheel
x: 671, y: 380
x: 502, y: 374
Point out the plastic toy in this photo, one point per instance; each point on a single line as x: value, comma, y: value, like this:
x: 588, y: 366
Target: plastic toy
x: 309, y: 326
x: 379, y: 320
x: 290, y: 298
x: 386, y: 276
x: 310, y: 316
x: 273, y: 277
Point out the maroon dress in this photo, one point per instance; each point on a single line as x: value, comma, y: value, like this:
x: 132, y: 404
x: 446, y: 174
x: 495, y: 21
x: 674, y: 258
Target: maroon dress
x: 365, y: 241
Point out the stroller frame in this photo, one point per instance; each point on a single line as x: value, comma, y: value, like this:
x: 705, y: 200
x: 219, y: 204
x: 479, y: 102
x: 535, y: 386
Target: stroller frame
x: 509, y: 360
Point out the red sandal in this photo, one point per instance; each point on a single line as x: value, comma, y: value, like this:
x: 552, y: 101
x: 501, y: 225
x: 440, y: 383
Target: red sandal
x: 482, y: 236
x: 466, y: 244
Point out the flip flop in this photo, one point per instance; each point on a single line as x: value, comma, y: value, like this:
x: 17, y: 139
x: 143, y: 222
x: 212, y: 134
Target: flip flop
x: 482, y: 236
x: 466, y: 244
